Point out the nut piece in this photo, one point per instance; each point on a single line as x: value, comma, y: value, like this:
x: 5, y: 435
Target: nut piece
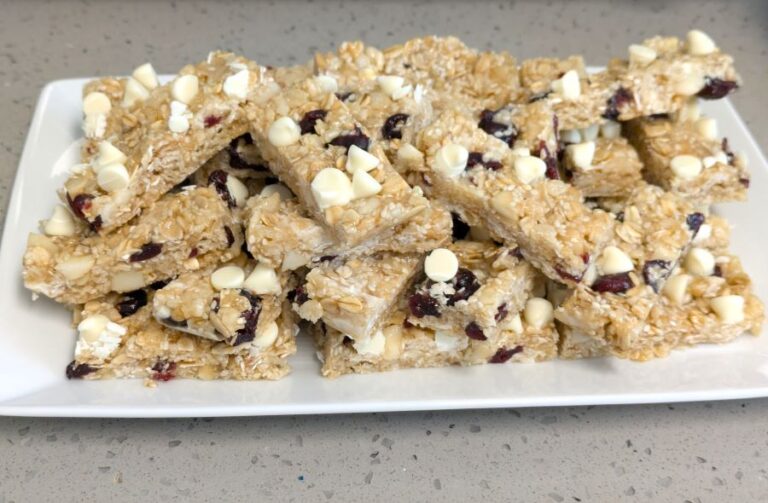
x: 134, y: 92
x: 538, y: 313
x: 359, y: 159
x: 581, y: 154
x: 614, y: 261
x: 146, y: 76
x: 331, y: 187
x: 700, y: 262
x: 61, y: 222
x: 451, y: 160
x: 75, y: 267
x: 641, y: 54
x: 529, y: 169
x: 327, y: 83
x: 229, y: 276
x: 266, y: 337
x: 238, y: 190
x: 113, y: 177
x: 277, y: 188
x: 441, y: 265
x: 283, y: 132
x: 263, y: 281
x: 699, y: 43
x: 184, y: 88
x: 729, y: 308
x: 96, y: 103
x: 707, y: 127
x: 373, y: 345
x: 676, y: 288
x: 236, y: 86
x: 686, y: 167
x: 127, y: 281
x: 568, y: 85
x: 364, y: 185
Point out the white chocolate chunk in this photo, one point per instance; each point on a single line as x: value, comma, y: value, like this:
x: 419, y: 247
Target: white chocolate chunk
x: 441, y: 265
x: 516, y: 324
x: 409, y: 153
x: 178, y: 108
x: 178, y: 124
x: 293, y: 260
x: 134, y: 92
x: 96, y: 103
x: 284, y: 192
x: 90, y: 328
x: 418, y: 93
x: 263, y: 281
x: 390, y: 84
x: 676, y: 288
x: 358, y: 158
x: 61, y: 222
x: 704, y: 233
x: 707, y: 127
x: 590, y: 133
x: 283, y: 132
x: 686, y: 167
x: 451, y: 160
x: 402, y: 92
x: 700, y: 262
x: 185, y: 88
x: 229, y: 276
x: 709, y: 161
x: 373, y: 345
x: 538, y: 313
x: 237, y: 190
x: 327, y: 83
x: 267, y: 336
x: 568, y: 85
x: 614, y: 261
x: 146, y: 76
x: 610, y: 130
x: 689, y: 85
x: 331, y: 187
x: 109, y: 154
x: 95, y: 125
x: 582, y: 154
x: 570, y: 136
x: 113, y: 177
x: 529, y: 169
x: 446, y: 341
x: 75, y: 267
x: 393, y: 345
x: 236, y: 86
x: 127, y: 281
x: 729, y: 308
x: 699, y: 43
x: 364, y: 185
x: 641, y: 54
x: 690, y: 110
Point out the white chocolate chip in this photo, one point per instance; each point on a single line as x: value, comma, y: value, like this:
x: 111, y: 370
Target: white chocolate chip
x: 61, y: 222
x: 263, y: 281
x: 127, y: 281
x: 676, y: 287
x: 686, y: 167
x: 529, y: 169
x: 185, y: 88
x: 277, y: 188
x: 729, y: 308
x: 358, y: 158
x: 538, y: 313
x: 451, y: 160
x: 293, y: 260
x: 704, y: 233
x: 402, y: 92
x: 146, y: 76
x: 113, y: 177
x: 700, y: 262
x: 699, y: 43
x: 390, y: 83
x: 364, y: 185
x: 393, y: 346
x: 331, y: 187
x: 614, y: 261
x: 109, y: 154
x: 641, y: 54
x: 327, y: 83
x: 178, y: 108
x: 75, y: 267
x: 409, y: 153
x: 707, y: 127
x: 568, y: 85
x: 237, y: 190
x: 521, y: 152
x: 708, y: 161
x: 229, y: 276
x: 516, y: 324
x: 236, y: 86
x: 283, y: 132
x: 178, y: 124
x: 95, y: 125
x: 582, y: 154
x: 373, y: 345
x: 570, y: 136
x: 610, y: 130
x: 590, y: 133
x: 446, y: 341
x: 96, y: 103
x: 690, y: 110
x: 418, y: 93
x: 134, y: 92
x: 267, y: 336
x: 689, y: 85
x: 441, y: 265
x: 90, y: 328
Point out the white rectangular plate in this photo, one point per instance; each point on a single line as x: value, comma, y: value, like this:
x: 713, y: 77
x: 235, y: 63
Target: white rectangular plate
x: 36, y: 340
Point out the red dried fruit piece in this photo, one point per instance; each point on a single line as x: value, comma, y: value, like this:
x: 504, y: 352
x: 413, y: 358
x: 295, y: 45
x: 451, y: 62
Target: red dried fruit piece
x: 715, y: 88
x: 230, y: 235
x: 343, y: 97
x: 80, y: 204
x: 460, y: 227
x: 211, y: 121
x: 506, y: 133
x: 613, y: 283
x: 131, y: 302
x: 566, y: 275
x: 474, y: 331
x: 503, y: 354
x: 465, y: 285
x: 75, y: 371
x: 347, y: 140
x: 654, y: 272
x: 549, y: 160
x: 164, y: 370
x: 148, y: 251
x: 307, y: 123
x: 422, y: 305
x: 694, y: 221
x: 298, y: 295
x: 615, y: 103
x: 251, y: 316
x: 501, y: 313
x: 218, y: 179
x: 392, y: 126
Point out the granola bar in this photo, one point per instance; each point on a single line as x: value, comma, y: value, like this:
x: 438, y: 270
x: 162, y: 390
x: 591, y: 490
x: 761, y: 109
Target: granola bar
x: 179, y: 126
x: 115, y: 343
x: 311, y: 142
x: 281, y: 233
x: 688, y: 158
x: 178, y: 233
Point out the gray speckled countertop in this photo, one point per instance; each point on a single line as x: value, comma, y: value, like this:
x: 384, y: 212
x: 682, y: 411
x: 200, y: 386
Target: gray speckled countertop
x: 692, y: 452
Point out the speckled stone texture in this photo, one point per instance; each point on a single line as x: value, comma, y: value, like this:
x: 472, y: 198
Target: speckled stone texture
x: 696, y: 452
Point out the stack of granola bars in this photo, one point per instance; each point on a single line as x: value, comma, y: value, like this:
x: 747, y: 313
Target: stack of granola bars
x: 425, y: 205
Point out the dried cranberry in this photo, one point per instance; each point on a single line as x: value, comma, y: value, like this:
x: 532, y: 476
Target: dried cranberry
x: 551, y: 161
x: 164, y: 370
x: 422, y: 305
x: 148, y: 251
x: 566, y: 275
x: 347, y: 140
x: 216, y: 304
x: 77, y: 371
x: 694, y: 221
x: 218, y: 179
x: 715, y: 88
x: 343, y: 97
x: 159, y: 285
x: 501, y: 313
x: 506, y: 133
x: 391, y: 128
x: 744, y: 182
x: 727, y: 149
x: 517, y: 252
x: 473, y: 159
x: 503, y: 354
x: 474, y: 331
x: 230, y: 235
x: 613, y: 283
x: 620, y: 216
x: 251, y: 316
x: 718, y: 271
x: 615, y: 103
x: 654, y: 272
x: 80, y: 204
x: 327, y: 258
x: 298, y: 295
x: 460, y: 227
x: 585, y: 257
x: 407, y: 324
x: 96, y: 224
x: 465, y: 285
x: 211, y: 120
x: 131, y: 302
x: 538, y: 96
x: 193, y: 252
x: 307, y: 123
